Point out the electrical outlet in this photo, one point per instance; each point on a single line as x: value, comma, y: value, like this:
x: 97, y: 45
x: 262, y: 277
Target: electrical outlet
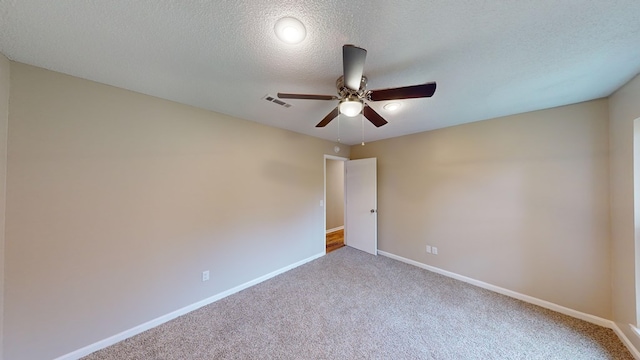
x: 429, y: 249
x: 205, y: 275
x: 434, y: 250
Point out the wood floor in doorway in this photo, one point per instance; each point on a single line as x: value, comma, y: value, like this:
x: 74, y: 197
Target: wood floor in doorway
x: 335, y: 240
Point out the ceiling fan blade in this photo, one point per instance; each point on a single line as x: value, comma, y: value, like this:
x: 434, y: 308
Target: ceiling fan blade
x: 306, y: 96
x: 373, y: 116
x: 327, y: 119
x: 407, y: 92
x: 353, y: 59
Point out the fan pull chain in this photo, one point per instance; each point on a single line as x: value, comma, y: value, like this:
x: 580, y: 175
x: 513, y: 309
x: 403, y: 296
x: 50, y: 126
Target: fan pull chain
x: 338, y: 129
x: 362, y: 122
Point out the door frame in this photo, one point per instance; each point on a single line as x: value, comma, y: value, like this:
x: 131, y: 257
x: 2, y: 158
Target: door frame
x: 324, y: 200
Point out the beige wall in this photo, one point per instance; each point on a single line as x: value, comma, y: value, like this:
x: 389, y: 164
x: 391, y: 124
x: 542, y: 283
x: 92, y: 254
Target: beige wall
x: 4, y: 119
x: 521, y: 202
x: 335, y: 193
x: 117, y: 201
x: 624, y: 108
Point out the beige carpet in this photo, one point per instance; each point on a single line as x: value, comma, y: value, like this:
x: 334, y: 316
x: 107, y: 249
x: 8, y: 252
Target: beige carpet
x: 351, y: 305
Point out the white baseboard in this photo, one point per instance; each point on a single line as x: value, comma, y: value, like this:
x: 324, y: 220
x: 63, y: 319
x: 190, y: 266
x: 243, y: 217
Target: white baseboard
x: 170, y: 316
x: 165, y: 318
x: 530, y: 299
x: 625, y: 340
x: 335, y: 229
x: 526, y: 298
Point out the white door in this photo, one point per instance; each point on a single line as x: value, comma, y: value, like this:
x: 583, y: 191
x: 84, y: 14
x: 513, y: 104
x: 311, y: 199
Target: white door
x: 361, y: 212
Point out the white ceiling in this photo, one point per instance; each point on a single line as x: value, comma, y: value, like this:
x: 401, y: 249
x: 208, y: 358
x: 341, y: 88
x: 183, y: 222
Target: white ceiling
x: 490, y: 58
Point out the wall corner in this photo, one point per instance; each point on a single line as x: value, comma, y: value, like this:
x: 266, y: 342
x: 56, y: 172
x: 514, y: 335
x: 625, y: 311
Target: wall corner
x: 5, y: 72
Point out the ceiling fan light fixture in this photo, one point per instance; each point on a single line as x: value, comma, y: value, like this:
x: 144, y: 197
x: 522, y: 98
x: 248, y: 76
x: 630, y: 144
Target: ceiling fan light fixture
x: 352, y: 92
x: 350, y: 107
x: 290, y: 30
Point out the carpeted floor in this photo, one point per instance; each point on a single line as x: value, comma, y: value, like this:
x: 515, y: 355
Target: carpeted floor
x: 352, y: 305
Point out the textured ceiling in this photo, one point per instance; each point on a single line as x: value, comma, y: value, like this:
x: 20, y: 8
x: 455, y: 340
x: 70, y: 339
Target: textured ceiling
x: 490, y: 58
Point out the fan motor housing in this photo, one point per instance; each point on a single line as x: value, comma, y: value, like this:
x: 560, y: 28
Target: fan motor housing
x: 345, y: 92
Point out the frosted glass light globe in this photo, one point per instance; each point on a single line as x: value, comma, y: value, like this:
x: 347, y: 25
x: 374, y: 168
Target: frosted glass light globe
x: 351, y: 108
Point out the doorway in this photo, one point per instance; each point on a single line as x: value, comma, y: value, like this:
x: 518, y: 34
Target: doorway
x: 334, y: 200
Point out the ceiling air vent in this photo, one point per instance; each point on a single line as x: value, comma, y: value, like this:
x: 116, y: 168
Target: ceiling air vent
x: 275, y: 100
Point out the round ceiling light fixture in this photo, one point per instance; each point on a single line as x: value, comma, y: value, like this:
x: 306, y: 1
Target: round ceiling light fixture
x: 290, y: 30
x: 392, y: 106
x: 351, y: 107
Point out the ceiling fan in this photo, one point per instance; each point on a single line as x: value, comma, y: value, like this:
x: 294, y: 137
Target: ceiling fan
x: 352, y: 91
